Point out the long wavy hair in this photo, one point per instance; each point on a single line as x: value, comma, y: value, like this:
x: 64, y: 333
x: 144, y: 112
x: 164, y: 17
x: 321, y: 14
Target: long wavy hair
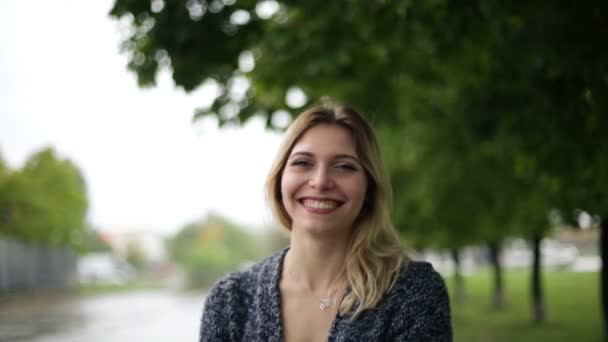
x: 375, y: 255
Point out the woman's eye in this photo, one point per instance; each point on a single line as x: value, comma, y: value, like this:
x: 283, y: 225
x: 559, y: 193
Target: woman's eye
x: 300, y: 163
x: 347, y: 167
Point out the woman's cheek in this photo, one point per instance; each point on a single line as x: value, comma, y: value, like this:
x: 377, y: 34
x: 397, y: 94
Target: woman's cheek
x: 287, y: 192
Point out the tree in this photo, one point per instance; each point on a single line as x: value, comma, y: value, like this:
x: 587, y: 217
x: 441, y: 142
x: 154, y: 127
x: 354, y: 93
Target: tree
x: 526, y: 82
x: 94, y: 241
x: 4, y: 177
x: 135, y: 255
x: 44, y: 202
x: 210, y: 248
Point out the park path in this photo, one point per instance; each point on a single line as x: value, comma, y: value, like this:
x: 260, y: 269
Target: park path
x: 128, y: 316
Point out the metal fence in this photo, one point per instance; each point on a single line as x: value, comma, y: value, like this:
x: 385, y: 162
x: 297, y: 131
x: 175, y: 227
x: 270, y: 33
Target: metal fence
x: 30, y: 266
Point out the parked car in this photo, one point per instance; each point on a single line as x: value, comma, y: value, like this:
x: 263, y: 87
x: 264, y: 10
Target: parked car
x: 104, y: 268
x: 553, y: 254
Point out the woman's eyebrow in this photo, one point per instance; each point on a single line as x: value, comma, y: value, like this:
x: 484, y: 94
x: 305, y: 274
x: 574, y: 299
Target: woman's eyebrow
x: 301, y: 153
x: 346, y: 156
x: 337, y: 156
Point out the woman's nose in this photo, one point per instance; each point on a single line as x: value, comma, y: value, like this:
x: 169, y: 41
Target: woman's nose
x: 321, y: 179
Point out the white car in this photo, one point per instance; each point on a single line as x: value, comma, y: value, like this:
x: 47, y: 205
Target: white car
x: 104, y: 268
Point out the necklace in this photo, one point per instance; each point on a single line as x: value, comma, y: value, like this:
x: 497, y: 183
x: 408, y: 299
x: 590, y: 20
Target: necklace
x: 329, y: 300
x: 326, y: 303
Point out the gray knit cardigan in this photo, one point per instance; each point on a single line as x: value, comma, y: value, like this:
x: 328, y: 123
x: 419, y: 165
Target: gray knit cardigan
x: 246, y: 306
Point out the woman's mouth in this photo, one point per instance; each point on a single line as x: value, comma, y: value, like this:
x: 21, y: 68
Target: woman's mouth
x: 320, y: 205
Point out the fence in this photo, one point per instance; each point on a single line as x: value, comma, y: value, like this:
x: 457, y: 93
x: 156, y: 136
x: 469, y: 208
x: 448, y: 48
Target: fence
x: 29, y: 266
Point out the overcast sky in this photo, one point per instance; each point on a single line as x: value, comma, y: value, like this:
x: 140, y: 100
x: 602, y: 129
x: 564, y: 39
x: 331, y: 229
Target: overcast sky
x: 63, y: 83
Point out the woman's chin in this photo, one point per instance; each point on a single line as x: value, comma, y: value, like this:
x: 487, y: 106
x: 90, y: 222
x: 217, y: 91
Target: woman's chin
x: 319, y: 229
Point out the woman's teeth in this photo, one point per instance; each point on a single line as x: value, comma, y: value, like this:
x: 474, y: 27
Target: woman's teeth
x: 320, y: 204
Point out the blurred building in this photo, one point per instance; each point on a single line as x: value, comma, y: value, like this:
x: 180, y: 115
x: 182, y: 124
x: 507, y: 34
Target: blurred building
x: 150, y: 246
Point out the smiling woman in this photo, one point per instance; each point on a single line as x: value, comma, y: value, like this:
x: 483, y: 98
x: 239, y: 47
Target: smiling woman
x: 345, y: 276
x: 323, y: 183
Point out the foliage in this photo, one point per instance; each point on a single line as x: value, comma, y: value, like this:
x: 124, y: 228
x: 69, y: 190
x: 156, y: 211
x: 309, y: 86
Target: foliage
x: 94, y: 242
x: 274, y: 239
x: 491, y: 113
x: 44, y: 202
x: 134, y: 254
x: 491, y: 98
x: 212, y: 247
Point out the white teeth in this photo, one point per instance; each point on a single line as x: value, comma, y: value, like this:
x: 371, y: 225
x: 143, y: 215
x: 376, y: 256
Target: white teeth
x: 316, y: 204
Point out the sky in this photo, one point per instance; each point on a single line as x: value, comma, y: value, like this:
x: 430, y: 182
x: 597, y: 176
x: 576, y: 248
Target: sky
x: 64, y: 84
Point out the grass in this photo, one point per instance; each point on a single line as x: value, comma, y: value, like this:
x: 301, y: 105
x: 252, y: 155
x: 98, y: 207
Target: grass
x: 572, y: 306
x: 138, y: 284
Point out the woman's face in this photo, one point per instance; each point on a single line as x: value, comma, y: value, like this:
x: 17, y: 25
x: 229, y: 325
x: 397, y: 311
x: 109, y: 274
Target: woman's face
x: 323, y: 183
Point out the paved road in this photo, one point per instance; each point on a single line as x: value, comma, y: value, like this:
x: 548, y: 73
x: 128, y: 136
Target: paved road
x: 132, y: 316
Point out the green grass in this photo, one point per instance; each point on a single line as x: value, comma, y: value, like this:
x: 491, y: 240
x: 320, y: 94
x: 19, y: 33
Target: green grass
x: 96, y: 289
x: 572, y: 306
x: 138, y: 284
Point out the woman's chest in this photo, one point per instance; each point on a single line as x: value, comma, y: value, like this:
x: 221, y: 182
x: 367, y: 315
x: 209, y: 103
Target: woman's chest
x: 304, y: 319
x: 298, y: 321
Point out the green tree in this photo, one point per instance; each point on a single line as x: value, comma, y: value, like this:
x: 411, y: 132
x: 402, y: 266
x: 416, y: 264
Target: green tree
x: 135, y: 255
x: 45, y: 201
x: 522, y: 86
x: 212, y: 247
x: 4, y: 177
x: 94, y: 242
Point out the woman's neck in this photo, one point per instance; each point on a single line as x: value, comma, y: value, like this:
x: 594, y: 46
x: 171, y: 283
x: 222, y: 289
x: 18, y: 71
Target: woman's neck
x: 315, y: 265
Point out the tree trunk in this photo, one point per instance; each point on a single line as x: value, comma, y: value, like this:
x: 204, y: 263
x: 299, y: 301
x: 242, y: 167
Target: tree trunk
x: 538, y: 303
x: 459, y: 289
x: 499, y: 291
x: 604, y: 272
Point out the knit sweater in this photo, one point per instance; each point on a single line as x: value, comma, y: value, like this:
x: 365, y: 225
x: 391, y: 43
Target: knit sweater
x: 246, y: 306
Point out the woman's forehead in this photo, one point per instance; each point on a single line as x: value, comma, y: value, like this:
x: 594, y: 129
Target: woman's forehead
x: 326, y: 139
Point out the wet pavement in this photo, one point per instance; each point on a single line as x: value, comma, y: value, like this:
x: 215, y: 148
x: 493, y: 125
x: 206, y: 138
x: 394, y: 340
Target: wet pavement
x: 128, y: 316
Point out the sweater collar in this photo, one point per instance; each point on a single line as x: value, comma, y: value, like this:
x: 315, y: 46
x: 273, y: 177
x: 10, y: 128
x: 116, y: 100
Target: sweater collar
x: 270, y: 296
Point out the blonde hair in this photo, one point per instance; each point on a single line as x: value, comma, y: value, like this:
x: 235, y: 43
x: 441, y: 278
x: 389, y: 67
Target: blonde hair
x: 375, y: 255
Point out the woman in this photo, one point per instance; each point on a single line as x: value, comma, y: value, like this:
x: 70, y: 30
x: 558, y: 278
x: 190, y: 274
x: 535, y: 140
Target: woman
x: 344, y: 276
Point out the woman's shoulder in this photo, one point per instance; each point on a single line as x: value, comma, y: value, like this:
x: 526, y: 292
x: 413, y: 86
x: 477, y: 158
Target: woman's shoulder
x: 419, y: 271
x: 418, y: 280
x: 419, y: 305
